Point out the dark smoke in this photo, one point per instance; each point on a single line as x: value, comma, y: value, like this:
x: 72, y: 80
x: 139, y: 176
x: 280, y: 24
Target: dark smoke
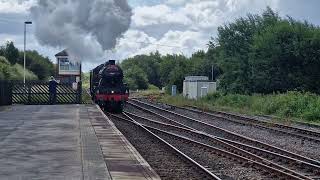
x: 85, y: 27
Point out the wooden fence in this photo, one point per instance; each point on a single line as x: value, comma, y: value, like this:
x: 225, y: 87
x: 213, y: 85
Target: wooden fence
x: 37, y: 93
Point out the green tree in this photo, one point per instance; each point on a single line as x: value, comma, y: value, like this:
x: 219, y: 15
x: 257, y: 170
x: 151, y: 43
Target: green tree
x: 10, y: 52
x: 285, y: 57
x: 15, y: 72
x: 266, y: 53
x: 4, y: 68
x: 150, y: 65
x: 41, y: 66
x: 136, y: 78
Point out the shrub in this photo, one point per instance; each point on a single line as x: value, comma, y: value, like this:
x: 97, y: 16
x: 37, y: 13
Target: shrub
x: 298, y: 105
x: 153, y: 87
x: 16, y: 73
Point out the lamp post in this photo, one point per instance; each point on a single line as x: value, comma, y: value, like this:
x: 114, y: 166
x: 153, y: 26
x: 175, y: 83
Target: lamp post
x: 24, y: 51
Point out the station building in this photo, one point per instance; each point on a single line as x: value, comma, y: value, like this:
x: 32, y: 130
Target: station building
x: 195, y: 87
x: 68, y: 68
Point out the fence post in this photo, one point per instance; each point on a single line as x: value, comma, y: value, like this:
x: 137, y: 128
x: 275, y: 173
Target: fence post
x: 29, y: 94
x: 10, y: 88
x: 2, y: 93
x: 79, y: 93
x: 5, y: 93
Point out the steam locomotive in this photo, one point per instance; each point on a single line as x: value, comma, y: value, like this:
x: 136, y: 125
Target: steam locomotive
x: 107, y: 88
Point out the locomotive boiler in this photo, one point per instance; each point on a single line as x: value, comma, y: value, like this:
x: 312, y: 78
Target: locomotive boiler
x: 107, y: 88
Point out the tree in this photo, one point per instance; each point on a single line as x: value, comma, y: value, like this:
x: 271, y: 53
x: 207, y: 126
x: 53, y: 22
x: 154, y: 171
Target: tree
x: 285, y: 57
x: 4, y: 68
x: 266, y: 54
x: 10, y: 52
x: 136, y: 78
x: 15, y: 72
x: 40, y: 65
x: 150, y: 65
x: 169, y: 69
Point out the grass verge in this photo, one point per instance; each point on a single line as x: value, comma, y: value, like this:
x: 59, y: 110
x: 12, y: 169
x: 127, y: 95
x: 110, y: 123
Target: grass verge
x: 296, y: 106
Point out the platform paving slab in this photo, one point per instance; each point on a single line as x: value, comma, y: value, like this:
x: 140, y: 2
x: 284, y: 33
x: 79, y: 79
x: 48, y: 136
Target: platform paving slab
x: 49, y: 142
x: 122, y: 159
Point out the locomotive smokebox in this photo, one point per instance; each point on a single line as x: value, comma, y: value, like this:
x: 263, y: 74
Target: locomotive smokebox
x: 111, y: 73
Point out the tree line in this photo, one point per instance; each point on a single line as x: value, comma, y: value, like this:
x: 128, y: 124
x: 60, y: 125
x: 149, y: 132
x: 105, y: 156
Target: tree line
x: 164, y: 71
x: 11, y: 64
x: 261, y: 53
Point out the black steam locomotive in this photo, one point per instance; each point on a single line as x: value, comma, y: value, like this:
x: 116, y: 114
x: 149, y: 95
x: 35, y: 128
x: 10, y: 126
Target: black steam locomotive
x: 107, y: 88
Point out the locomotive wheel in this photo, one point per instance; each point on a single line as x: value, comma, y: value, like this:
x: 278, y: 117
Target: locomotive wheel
x: 115, y: 107
x: 118, y: 107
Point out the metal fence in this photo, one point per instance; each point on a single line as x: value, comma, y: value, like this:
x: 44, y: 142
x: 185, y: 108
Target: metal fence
x: 5, y: 93
x: 37, y: 93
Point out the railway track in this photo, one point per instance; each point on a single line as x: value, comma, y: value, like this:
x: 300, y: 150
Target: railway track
x: 200, y: 171
x: 233, y: 138
x: 195, y: 143
x: 286, y: 164
x: 304, y: 134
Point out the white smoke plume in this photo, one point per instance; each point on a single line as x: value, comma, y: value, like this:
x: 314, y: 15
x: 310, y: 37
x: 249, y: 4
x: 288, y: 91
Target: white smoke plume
x: 86, y: 28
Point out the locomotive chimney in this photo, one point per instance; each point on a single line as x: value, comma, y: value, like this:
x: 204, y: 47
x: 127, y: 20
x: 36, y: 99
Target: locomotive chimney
x: 112, y: 62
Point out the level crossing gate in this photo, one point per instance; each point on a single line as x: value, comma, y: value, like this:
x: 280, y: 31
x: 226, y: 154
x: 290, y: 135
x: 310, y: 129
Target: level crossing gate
x: 37, y: 93
x: 5, y: 93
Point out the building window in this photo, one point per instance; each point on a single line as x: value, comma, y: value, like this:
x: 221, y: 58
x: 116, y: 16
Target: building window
x: 66, y: 65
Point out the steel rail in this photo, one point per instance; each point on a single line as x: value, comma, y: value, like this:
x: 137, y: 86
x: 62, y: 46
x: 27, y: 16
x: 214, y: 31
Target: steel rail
x: 269, y: 166
x: 205, y: 170
x: 236, y: 136
x: 247, y: 151
x: 276, y: 127
x: 256, y: 119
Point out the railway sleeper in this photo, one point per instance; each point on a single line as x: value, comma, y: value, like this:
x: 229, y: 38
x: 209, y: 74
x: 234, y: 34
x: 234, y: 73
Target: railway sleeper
x: 243, y: 160
x: 285, y: 161
x: 231, y: 135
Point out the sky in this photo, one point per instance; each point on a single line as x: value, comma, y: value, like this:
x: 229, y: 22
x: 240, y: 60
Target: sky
x: 169, y: 26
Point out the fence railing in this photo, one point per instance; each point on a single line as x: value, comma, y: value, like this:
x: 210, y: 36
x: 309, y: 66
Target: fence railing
x: 5, y: 93
x: 37, y: 93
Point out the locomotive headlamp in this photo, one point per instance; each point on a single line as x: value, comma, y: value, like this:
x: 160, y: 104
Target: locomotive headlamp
x: 112, y: 92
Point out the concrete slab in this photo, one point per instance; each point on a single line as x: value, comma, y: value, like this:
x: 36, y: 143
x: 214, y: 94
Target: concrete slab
x: 122, y: 159
x: 49, y: 142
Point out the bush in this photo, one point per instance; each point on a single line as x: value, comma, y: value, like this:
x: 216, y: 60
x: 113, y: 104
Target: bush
x: 297, y: 105
x: 15, y: 72
x: 153, y: 87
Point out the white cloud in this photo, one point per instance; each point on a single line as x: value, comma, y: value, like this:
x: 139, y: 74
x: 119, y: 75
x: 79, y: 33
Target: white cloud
x: 158, y: 14
x: 181, y: 42
x: 184, y: 26
x: 175, y: 2
x: 174, y: 26
x: 132, y: 42
x: 16, y: 6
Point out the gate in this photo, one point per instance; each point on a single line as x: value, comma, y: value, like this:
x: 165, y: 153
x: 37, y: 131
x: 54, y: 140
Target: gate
x: 5, y: 93
x: 37, y: 93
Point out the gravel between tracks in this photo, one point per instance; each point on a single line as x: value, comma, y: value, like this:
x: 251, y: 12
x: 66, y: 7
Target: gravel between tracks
x: 306, y: 148
x: 310, y: 127
x: 223, y: 167
x: 293, y: 144
x: 160, y: 157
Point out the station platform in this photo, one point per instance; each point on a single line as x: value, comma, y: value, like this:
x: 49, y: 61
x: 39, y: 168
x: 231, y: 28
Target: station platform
x: 65, y: 142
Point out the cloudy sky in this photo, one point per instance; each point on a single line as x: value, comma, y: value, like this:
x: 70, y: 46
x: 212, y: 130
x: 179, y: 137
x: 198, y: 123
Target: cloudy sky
x: 169, y: 26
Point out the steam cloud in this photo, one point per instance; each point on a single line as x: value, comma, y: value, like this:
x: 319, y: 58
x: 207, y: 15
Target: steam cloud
x: 85, y: 27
